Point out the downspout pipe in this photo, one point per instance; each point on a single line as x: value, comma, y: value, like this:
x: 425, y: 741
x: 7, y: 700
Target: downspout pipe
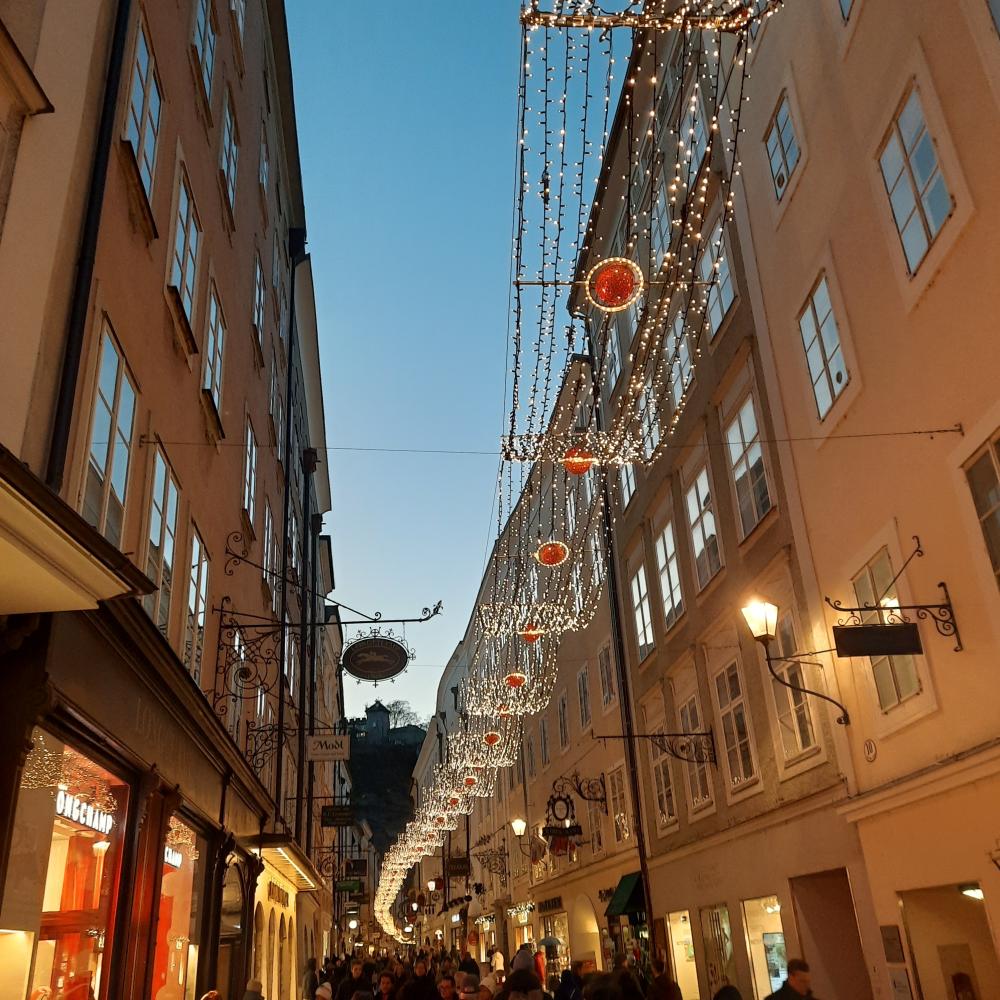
x: 79, y: 306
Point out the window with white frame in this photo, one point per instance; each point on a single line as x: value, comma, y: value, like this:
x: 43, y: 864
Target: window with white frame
x: 607, y: 678
x: 640, y: 612
x: 746, y: 463
x: 663, y: 787
x: 670, y: 575
x: 204, y: 43
x: 275, y: 260
x: 678, y: 351
x: 270, y: 554
x: 595, y: 822
x: 733, y: 714
x: 529, y: 753
x: 619, y: 805
x: 917, y: 190
x: 821, y: 341
x: 160, y: 541
x: 291, y: 660
x: 693, y: 137
x: 701, y: 520
x: 264, y: 168
x: 562, y: 713
x: 583, y: 693
x: 795, y: 724
x: 250, y: 473
x: 187, y: 243
x: 258, y: 299
x: 896, y: 677
x: 235, y: 675
x: 110, y: 452
x: 626, y: 483
x: 194, y: 627
x: 612, y: 352
x: 142, y: 121
x: 543, y: 741
x: 756, y: 6
x: 983, y: 476
x: 699, y: 781
x: 713, y: 269
x: 994, y: 6
x: 229, y: 153
x: 239, y: 12
x: 215, y: 336
x: 782, y: 147
x: 648, y: 419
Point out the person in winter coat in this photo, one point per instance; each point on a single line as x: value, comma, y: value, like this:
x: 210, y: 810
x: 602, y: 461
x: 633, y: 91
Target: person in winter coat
x: 310, y: 980
x: 254, y: 990
x: 570, y: 984
x: 662, y: 986
x: 523, y: 959
x: 797, y: 985
x: 354, y: 982
x: 540, y: 965
x: 421, y: 986
x: 727, y: 992
x: 468, y: 964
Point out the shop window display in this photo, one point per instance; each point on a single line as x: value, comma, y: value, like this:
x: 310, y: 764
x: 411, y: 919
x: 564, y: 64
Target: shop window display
x: 58, y: 909
x: 716, y: 932
x: 175, y: 963
x: 765, y: 944
x: 682, y: 952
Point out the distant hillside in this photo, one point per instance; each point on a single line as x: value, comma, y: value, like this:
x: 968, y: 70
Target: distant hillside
x: 381, y: 776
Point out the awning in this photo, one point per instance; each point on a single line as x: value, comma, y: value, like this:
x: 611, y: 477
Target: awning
x: 628, y: 897
x: 285, y: 855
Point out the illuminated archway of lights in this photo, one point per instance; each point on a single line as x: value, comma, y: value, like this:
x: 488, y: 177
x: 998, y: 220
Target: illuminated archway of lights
x: 626, y: 155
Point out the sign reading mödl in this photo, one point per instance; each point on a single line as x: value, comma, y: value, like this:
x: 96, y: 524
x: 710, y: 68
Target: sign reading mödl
x: 328, y: 746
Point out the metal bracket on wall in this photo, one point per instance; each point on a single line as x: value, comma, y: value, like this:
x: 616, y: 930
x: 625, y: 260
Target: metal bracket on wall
x: 589, y: 789
x: 694, y: 748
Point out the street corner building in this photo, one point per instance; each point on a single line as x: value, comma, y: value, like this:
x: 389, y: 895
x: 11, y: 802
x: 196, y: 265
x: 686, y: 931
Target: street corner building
x: 164, y: 652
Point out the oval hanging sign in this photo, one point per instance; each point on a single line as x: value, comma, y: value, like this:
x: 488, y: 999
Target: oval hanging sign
x: 375, y: 658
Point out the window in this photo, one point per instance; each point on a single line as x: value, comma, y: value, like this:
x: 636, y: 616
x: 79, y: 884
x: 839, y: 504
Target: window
x: 275, y: 260
x: 918, y: 192
x: 562, y: 711
x: 735, y: 726
x: 204, y: 43
x: 701, y: 517
x: 984, y: 482
x: 187, y: 237
x: 160, y: 541
x: 543, y: 740
x: 896, y: 677
x: 194, y: 629
x: 679, y: 356
x: 746, y: 461
x: 994, y: 11
x: 640, y: 612
x: 215, y: 337
x: 713, y: 268
x: 607, y: 679
x: 794, y: 718
x: 110, y: 444
x: 693, y: 139
x: 264, y: 170
x: 529, y: 753
x: 258, y: 300
x: 670, y: 574
x: 595, y: 821
x: 782, y: 147
x: 583, y: 691
x: 142, y: 123
x: 699, y: 786
x: 666, y: 810
x: 230, y: 152
x: 250, y: 473
x: 612, y: 352
x: 619, y: 804
x: 647, y: 416
x: 821, y: 341
x: 626, y: 482
x: 846, y: 5
x: 239, y: 11
x: 756, y: 6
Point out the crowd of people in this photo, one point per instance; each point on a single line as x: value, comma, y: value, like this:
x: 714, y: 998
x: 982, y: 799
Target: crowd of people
x: 440, y: 975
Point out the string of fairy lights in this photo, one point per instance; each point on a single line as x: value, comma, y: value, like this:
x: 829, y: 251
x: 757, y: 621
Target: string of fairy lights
x: 627, y: 293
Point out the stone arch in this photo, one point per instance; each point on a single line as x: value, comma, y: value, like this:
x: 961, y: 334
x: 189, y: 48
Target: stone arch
x: 271, y: 946
x: 584, y: 931
x: 258, y: 942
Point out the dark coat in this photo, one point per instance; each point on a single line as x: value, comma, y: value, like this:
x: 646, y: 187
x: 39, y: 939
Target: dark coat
x: 663, y: 988
x: 570, y: 988
x: 349, y: 986
x: 787, y: 993
x: 418, y: 988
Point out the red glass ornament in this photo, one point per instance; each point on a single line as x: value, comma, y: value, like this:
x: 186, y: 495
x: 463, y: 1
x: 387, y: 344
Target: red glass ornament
x: 552, y: 553
x: 614, y: 284
x: 531, y: 632
x: 492, y: 738
x: 578, y: 461
x: 471, y: 781
x: 454, y: 800
x: 515, y: 679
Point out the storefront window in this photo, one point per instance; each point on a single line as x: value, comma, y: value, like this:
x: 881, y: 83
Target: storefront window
x: 765, y: 944
x: 62, y: 883
x: 720, y: 963
x: 555, y: 944
x: 682, y: 953
x: 175, y: 964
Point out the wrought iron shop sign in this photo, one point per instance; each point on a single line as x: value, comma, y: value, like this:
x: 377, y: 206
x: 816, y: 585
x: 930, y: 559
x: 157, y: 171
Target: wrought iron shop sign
x: 275, y: 894
x: 336, y: 816
x: 458, y: 867
x: 325, y: 747
x: 347, y: 885
x: 356, y: 867
x: 376, y: 657
x: 553, y: 905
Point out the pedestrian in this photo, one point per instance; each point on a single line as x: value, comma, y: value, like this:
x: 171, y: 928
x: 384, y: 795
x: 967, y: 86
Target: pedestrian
x: 254, y: 990
x: 496, y: 960
x: 523, y: 959
x: 727, y: 992
x: 310, y: 980
x: 468, y: 964
x: 662, y: 986
x: 386, y: 986
x: 470, y: 988
x: 540, y: 965
x: 626, y: 981
x: 421, y: 986
x: 570, y: 983
x: 446, y: 987
x: 797, y: 984
x: 324, y: 991
x: 602, y: 987
x: 354, y: 982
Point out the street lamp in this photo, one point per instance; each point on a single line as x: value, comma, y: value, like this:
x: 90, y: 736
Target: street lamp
x: 762, y: 617
x: 518, y: 825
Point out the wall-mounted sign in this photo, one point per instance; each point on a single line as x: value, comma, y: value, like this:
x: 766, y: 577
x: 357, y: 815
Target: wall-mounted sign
x: 375, y: 658
x: 877, y: 640
x: 276, y: 894
x: 70, y: 807
x: 457, y: 867
x: 328, y: 747
x: 552, y: 905
x: 356, y: 867
x: 604, y: 895
x: 347, y: 885
x: 336, y: 816
x: 172, y: 857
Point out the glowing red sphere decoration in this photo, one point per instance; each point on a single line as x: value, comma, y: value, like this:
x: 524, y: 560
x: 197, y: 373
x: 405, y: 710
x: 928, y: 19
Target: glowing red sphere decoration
x: 492, y: 738
x: 471, y: 781
x: 614, y: 284
x: 531, y: 632
x: 578, y: 461
x: 515, y: 679
x: 552, y: 553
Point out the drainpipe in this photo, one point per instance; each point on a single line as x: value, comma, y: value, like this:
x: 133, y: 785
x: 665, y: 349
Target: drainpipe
x: 306, y: 602
x: 79, y: 304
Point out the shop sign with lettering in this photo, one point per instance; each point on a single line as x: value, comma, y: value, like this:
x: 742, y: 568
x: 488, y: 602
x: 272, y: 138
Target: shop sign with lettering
x: 70, y: 807
x: 276, y: 894
x: 328, y: 747
x: 172, y: 857
x: 552, y: 905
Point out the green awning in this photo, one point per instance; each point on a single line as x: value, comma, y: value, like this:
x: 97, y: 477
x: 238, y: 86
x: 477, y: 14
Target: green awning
x: 628, y: 897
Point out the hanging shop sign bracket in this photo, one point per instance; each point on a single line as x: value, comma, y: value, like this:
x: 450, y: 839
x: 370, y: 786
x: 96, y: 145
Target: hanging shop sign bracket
x: 589, y: 789
x: 494, y: 860
x: 694, y: 748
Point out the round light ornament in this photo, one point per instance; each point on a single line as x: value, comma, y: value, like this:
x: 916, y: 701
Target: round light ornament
x: 515, y: 679
x: 614, y: 284
x: 578, y: 461
x: 530, y: 633
x: 552, y: 553
x: 492, y: 738
x: 471, y: 781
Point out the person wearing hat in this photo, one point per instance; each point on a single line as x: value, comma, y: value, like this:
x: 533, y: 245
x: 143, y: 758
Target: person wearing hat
x: 470, y: 988
x: 324, y: 992
x: 254, y: 990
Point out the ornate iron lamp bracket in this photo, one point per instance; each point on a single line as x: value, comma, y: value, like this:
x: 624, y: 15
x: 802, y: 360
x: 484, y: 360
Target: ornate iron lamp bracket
x: 589, y: 789
x: 694, y: 748
x: 494, y: 860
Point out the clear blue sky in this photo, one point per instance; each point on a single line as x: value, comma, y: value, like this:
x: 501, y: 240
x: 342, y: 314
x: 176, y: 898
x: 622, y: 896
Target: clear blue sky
x: 406, y: 115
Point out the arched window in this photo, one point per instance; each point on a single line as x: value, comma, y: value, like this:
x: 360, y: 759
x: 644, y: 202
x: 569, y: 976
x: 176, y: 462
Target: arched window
x: 282, y: 960
x: 258, y: 942
x: 271, y: 965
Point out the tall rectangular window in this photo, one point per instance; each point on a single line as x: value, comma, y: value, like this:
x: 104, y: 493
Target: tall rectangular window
x: 640, y: 612
x: 595, y: 818
x: 994, y: 12
x: 215, y: 336
x: 619, y: 805
x: 670, y: 574
x: 678, y: 351
x: 612, y: 360
x: 746, y: 462
x: 250, y: 472
x: 583, y: 692
x: 984, y: 482
x: 142, y: 123
x: 648, y: 419
x: 161, y: 538
x: 110, y: 444
x: 626, y: 482
x: 239, y: 11
x: 194, y: 627
x: 701, y: 518
x: 270, y: 554
x: 607, y: 678
x: 543, y: 741
x: 821, y: 340
x: 187, y: 243
x: 699, y: 783
x: 782, y: 147
x: 791, y: 706
x: 693, y: 138
x: 275, y: 260
x: 204, y: 44
x: 713, y: 269
x: 229, y: 153
x: 529, y: 753
x: 735, y: 726
x: 258, y: 300
x: 896, y: 677
x: 264, y: 169
x: 917, y: 190
x: 562, y: 713
x: 663, y: 788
